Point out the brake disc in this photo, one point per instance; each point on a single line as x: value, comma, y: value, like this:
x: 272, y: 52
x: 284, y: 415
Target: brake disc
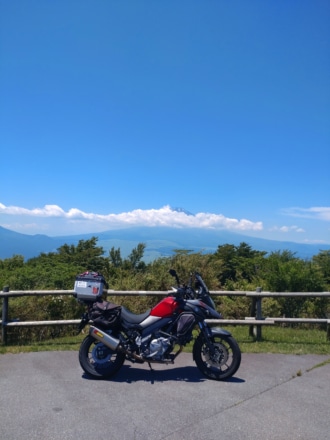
x: 219, y: 356
x: 101, y: 354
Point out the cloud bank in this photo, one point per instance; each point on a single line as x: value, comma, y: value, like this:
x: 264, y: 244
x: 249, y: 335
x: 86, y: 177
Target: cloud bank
x: 287, y: 229
x: 165, y: 216
x: 54, y: 220
x: 317, y: 213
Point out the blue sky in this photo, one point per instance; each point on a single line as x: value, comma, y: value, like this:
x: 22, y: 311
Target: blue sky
x: 113, y: 112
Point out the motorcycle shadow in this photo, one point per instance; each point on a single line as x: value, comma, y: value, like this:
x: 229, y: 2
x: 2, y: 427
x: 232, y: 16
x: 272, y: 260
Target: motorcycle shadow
x: 132, y: 374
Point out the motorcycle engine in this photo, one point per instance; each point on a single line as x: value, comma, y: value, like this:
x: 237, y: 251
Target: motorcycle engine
x: 158, y: 347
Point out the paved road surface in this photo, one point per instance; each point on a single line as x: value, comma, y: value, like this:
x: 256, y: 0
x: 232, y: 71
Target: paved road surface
x: 45, y: 396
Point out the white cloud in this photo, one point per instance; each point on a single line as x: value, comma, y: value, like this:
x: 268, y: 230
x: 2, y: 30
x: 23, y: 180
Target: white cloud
x: 317, y: 213
x: 46, y: 211
x: 314, y: 241
x: 25, y: 227
x: 164, y: 216
x: 287, y: 229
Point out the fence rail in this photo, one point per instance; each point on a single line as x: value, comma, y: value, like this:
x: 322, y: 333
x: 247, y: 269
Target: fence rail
x: 255, y: 321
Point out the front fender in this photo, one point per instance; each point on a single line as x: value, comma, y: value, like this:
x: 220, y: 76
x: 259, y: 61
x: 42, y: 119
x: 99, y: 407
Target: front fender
x: 214, y: 331
x: 219, y: 331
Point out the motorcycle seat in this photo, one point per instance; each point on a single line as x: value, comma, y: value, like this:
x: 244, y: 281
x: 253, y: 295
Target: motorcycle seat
x: 133, y: 318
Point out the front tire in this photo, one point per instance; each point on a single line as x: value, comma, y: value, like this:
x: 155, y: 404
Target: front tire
x: 219, y: 361
x: 99, y: 361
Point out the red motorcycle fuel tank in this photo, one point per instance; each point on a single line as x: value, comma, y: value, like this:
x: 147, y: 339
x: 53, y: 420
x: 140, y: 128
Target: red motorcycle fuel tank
x: 165, y: 308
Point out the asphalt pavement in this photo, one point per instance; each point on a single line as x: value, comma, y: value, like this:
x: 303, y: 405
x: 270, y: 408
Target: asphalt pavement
x: 46, y: 396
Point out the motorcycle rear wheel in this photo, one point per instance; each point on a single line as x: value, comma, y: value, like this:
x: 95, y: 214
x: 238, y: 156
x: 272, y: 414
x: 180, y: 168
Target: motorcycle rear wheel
x: 99, y: 361
x: 221, y: 360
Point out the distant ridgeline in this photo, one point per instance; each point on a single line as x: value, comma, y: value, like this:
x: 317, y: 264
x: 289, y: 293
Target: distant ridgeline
x: 160, y: 242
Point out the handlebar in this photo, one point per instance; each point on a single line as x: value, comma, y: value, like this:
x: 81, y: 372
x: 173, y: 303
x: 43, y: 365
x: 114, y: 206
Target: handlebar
x: 188, y: 290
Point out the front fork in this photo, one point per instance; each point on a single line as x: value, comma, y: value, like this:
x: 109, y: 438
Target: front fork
x: 207, y: 333
x: 205, y: 330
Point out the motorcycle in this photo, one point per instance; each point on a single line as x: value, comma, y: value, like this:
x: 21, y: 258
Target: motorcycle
x: 116, y: 334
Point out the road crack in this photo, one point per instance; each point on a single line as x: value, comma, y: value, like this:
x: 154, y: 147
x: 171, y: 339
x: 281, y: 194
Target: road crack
x: 234, y: 405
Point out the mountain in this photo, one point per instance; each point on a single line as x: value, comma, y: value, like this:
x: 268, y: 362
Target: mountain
x: 160, y: 242
x: 14, y: 243
x: 182, y: 210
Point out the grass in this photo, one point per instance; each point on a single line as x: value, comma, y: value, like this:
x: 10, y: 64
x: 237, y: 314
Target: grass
x: 65, y: 343
x: 284, y: 340
x: 275, y: 339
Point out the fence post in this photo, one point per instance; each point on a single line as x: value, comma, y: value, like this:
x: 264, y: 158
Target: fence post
x: 259, y: 315
x: 252, y: 314
x: 4, y: 316
x: 256, y: 312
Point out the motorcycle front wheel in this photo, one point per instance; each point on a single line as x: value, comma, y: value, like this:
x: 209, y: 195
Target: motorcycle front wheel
x: 99, y: 361
x: 218, y: 360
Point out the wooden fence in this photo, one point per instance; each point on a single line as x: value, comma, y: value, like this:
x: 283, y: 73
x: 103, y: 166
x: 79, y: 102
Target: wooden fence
x: 255, y: 321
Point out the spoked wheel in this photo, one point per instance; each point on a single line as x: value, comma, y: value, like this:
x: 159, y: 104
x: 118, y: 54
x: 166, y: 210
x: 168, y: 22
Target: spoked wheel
x: 97, y: 360
x: 221, y: 359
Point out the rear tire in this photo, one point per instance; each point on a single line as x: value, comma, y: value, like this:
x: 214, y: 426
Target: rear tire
x: 219, y: 362
x: 99, y: 361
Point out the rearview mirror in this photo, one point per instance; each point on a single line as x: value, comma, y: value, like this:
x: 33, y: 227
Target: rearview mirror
x: 172, y: 272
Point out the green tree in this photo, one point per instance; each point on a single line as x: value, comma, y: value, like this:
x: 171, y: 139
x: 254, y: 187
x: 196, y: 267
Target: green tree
x: 135, y: 257
x: 12, y: 263
x: 238, y: 265
x: 322, y: 262
x: 86, y: 254
x: 284, y: 272
x: 115, y: 257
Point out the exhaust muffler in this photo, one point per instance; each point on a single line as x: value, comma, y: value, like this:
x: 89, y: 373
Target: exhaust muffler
x: 112, y: 343
x: 105, y: 338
